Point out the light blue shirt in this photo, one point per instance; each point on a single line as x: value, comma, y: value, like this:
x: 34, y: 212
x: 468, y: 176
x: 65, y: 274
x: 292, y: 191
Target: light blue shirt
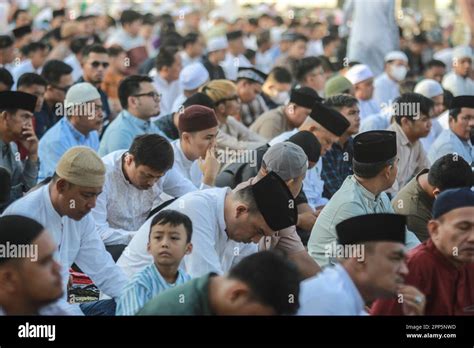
x: 121, y: 132
x: 143, y: 287
x: 385, y: 90
x: 57, y: 140
x: 331, y: 292
x: 448, y: 142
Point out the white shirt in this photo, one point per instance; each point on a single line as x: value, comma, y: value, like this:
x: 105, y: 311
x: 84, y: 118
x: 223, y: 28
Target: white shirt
x: 264, y: 61
x: 77, y: 242
x: 232, y: 63
x: 72, y: 61
x: 213, y: 251
x: 186, y: 59
x: 122, y: 38
x: 443, y: 120
x: 169, y: 93
x: 313, y: 186
x: 178, y: 102
x: 283, y: 137
x: 458, y: 85
x: 435, y: 131
x: 448, y: 142
x: 315, y: 48
x: 385, y: 89
x: 23, y: 68
x: 367, y: 108
x: 331, y: 292
x: 187, y: 168
x: 122, y: 208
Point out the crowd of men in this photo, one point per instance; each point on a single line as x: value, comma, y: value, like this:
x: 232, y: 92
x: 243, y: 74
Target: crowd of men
x: 195, y: 165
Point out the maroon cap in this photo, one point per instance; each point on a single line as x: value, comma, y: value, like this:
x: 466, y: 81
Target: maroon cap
x: 196, y: 118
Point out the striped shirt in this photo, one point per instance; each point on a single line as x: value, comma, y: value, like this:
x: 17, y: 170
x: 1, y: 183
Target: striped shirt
x: 143, y: 287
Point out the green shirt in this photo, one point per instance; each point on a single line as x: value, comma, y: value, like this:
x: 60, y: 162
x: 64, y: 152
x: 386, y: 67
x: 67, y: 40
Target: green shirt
x: 415, y: 203
x: 191, y: 298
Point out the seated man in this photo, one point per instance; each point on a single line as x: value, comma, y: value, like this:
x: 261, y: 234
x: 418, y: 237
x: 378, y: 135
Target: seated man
x: 5, y: 183
x: 169, y: 240
x: 63, y: 207
x: 29, y: 283
x: 226, y: 225
x: 416, y: 199
x: 249, y: 86
x: 240, y: 292
x: 372, y: 265
x: 443, y: 267
x: 375, y: 168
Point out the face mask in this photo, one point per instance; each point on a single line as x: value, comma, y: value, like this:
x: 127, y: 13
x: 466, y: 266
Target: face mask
x: 281, y: 98
x: 398, y: 72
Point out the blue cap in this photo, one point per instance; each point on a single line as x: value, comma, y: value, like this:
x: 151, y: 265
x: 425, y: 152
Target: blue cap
x: 452, y: 199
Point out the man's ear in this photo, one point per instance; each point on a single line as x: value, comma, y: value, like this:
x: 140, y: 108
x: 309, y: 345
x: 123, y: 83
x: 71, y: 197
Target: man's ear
x: 237, y: 292
x: 240, y: 210
x: 8, y: 280
x: 129, y: 159
x: 186, y: 137
x: 62, y: 185
x: 433, y: 229
x: 436, y: 191
x: 189, y: 248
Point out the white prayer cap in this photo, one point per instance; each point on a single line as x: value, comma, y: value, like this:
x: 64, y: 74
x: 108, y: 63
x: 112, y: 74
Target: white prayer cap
x: 81, y: 93
x: 193, y: 76
x: 217, y: 43
x: 429, y: 88
x: 396, y: 55
x: 359, y: 73
x: 461, y: 52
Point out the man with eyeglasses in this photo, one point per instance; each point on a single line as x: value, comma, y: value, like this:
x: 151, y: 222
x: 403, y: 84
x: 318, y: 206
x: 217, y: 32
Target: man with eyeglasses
x: 140, y: 102
x: 95, y: 61
x: 16, y: 111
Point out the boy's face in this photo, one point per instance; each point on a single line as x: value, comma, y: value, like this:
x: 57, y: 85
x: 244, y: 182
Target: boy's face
x: 168, y: 244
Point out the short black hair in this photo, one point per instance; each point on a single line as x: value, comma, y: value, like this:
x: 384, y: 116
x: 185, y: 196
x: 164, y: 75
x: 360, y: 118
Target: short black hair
x: 149, y: 19
x: 6, y: 78
x: 450, y: 171
x: 33, y: 47
x: 171, y: 39
x: 328, y: 39
x: 129, y: 16
x: 78, y: 44
x: 447, y: 98
x: 263, y: 37
x: 54, y: 69
x: 435, y: 63
x: 455, y: 113
x: 165, y: 57
x: 281, y: 75
x: 300, y: 37
x: 425, y: 105
x: 341, y: 100
x: 152, y: 150
x: 305, y: 66
x: 273, y: 280
x: 370, y: 170
x: 190, y: 39
x: 129, y: 86
x: 95, y: 48
x: 18, y: 12
x: 174, y: 218
x: 115, y: 50
x: 29, y: 79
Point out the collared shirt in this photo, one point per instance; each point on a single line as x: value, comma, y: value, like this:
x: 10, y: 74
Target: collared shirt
x: 458, y: 85
x: 121, y: 132
x: 57, y: 140
x: 331, y: 292
x: 23, y: 174
x: 367, y: 108
x: 413, y: 202
x: 412, y: 158
x: 271, y: 123
x: 143, y: 287
x: 233, y: 135
x: 45, y: 119
x: 385, y: 89
x: 313, y: 186
x: 213, y: 250
x: 122, y: 208
x: 449, y: 290
x: 103, y: 98
x: 448, y: 142
x: 167, y: 126
x: 337, y: 166
x: 169, y: 92
x: 195, y: 294
x: 249, y: 112
x: 352, y: 199
x: 77, y: 242
x: 187, y: 168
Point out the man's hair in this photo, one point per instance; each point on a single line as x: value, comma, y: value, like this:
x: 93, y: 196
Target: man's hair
x: 130, y: 86
x: 174, y: 218
x: 305, y: 66
x: 190, y: 39
x: 447, y: 98
x: 30, y: 79
x: 339, y: 101
x: 263, y: 37
x: 95, y: 48
x: 54, y: 69
x: 78, y: 44
x: 455, y: 113
x: 450, y: 171
x: 300, y: 37
x: 152, y: 150
x: 412, y: 99
x: 272, y: 279
x: 17, y: 13
x: 370, y: 170
x: 171, y: 39
x: 115, y: 50
x: 246, y: 196
x: 34, y: 47
x: 435, y: 63
x: 328, y: 39
x: 129, y: 16
x: 280, y: 74
x: 165, y: 57
x: 6, y: 78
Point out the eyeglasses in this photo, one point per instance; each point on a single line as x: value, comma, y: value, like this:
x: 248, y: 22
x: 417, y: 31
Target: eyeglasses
x: 96, y: 64
x: 64, y: 89
x: 153, y: 95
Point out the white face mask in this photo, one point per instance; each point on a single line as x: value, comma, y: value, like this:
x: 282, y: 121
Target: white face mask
x: 281, y: 98
x: 398, y: 72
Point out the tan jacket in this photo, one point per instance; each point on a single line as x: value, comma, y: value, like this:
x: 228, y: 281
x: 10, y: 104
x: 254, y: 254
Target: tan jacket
x: 271, y: 123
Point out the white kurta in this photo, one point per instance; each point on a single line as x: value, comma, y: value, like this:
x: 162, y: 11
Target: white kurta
x: 385, y: 89
x: 77, y: 242
x: 367, y: 108
x: 169, y: 93
x: 435, y: 131
x: 313, y: 186
x: 458, y: 85
x: 331, y: 292
x: 122, y: 208
x: 213, y: 251
x: 448, y: 142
